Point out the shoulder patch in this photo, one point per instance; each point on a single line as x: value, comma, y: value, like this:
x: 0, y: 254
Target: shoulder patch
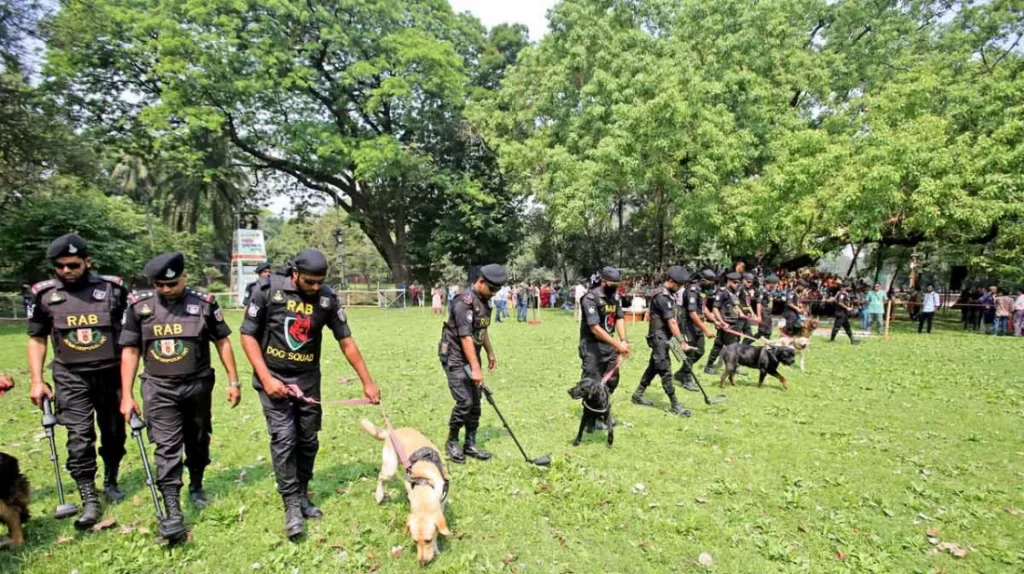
x: 202, y: 295
x: 112, y: 279
x: 136, y: 296
x: 44, y: 286
x: 467, y: 298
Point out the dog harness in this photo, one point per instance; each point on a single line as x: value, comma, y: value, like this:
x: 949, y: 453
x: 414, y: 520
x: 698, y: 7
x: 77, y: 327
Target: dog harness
x: 430, y: 455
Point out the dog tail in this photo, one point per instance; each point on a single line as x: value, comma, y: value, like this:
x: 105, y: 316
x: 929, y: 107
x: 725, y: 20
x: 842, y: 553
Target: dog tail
x: 373, y: 430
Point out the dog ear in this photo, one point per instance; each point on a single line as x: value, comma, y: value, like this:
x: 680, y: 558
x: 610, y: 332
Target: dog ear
x: 442, y: 524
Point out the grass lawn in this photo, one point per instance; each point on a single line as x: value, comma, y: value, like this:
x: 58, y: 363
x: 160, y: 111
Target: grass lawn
x: 871, y: 451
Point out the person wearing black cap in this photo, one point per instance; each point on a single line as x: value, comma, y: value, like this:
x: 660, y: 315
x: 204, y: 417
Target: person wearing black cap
x: 727, y: 313
x: 263, y: 271
x: 765, y: 301
x: 844, y: 308
x: 603, y: 317
x: 81, y: 313
x: 662, y: 326
x: 748, y: 311
x: 695, y: 325
x: 170, y: 328
x: 463, y: 334
x: 794, y: 309
x: 282, y: 335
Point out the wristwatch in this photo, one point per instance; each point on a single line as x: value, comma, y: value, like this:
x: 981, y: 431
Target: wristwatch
x: 234, y: 385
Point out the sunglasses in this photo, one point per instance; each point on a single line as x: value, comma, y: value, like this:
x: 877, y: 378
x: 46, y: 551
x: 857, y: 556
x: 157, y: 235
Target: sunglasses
x: 311, y: 282
x: 70, y: 266
x: 167, y: 284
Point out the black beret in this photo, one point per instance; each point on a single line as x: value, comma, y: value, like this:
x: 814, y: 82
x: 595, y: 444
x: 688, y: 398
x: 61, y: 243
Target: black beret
x: 771, y: 279
x: 262, y: 267
x: 678, y: 274
x: 66, y: 246
x: 708, y: 274
x: 165, y: 267
x: 733, y: 276
x: 310, y: 261
x: 748, y: 277
x: 611, y: 274
x: 494, y: 274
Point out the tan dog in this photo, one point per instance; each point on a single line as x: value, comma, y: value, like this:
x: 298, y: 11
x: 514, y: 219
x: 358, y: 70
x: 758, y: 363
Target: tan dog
x: 426, y: 483
x: 798, y: 344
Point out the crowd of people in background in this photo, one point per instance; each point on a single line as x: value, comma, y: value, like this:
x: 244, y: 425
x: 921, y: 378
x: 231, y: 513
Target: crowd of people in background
x: 991, y: 310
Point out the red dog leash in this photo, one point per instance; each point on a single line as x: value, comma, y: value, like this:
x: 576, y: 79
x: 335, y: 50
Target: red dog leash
x: 608, y: 375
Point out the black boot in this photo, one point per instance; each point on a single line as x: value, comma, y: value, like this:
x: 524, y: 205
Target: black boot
x: 688, y: 383
x: 470, y: 449
x: 172, y: 527
x: 638, y: 397
x: 196, y: 494
x: 309, y: 510
x: 710, y: 370
x: 91, y: 511
x: 294, y: 525
x: 110, y: 483
x: 677, y: 407
x: 454, y: 452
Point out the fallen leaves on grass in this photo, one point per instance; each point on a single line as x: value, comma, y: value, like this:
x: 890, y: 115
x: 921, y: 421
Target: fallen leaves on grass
x: 63, y: 539
x: 396, y: 551
x: 705, y: 560
x: 702, y: 500
x: 508, y: 559
x: 136, y: 501
x: 954, y: 549
x: 104, y: 524
x: 840, y: 556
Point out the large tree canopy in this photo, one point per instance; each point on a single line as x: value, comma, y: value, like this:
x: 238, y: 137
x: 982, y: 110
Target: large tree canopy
x: 358, y: 102
x: 684, y: 129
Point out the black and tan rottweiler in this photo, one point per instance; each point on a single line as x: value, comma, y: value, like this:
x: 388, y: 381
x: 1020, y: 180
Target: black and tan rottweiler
x: 765, y: 359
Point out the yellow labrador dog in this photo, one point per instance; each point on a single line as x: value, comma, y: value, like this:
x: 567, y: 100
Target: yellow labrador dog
x: 798, y: 344
x: 426, y: 483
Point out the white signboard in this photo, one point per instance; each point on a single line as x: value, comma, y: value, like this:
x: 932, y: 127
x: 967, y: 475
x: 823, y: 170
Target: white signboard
x: 248, y: 251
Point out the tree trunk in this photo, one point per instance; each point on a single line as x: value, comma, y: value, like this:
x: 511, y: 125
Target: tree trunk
x: 879, y: 260
x: 394, y: 253
x: 853, y: 263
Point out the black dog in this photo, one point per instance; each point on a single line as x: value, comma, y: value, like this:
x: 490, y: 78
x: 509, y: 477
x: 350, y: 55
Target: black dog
x: 765, y: 359
x: 15, y: 496
x: 597, y: 405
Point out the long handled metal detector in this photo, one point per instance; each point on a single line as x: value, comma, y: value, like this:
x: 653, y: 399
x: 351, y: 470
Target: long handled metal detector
x: 717, y: 399
x: 540, y: 460
x: 137, y: 425
x: 677, y: 350
x: 64, y: 509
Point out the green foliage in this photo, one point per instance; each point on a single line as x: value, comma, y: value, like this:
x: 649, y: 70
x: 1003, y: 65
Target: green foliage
x: 358, y: 102
x: 774, y: 128
x: 286, y: 238
x: 872, y: 447
x: 114, y: 227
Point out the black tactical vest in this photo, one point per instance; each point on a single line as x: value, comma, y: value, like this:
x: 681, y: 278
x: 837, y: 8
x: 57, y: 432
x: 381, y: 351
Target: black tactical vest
x: 729, y: 305
x: 173, y: 339
x: 661, y: 299
x: 83, y: 326
x: 294, y: 326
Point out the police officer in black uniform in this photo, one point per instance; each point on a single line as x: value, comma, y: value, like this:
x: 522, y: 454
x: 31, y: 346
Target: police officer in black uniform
x: 663, y: 325
x: 603, y: 318
x: 794, y: 309
x: 726, y: 313
x: 765, y: 302
x: 748, y: 308
x: 694, y: 325
x: 281, y: 336
x: 171, y: 329
x: 81, y: 312
x: 844, y: 308
x: 463, y: 334
x: 262, y: 272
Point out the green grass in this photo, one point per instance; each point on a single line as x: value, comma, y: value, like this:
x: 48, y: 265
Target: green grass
x: 846, y: 472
